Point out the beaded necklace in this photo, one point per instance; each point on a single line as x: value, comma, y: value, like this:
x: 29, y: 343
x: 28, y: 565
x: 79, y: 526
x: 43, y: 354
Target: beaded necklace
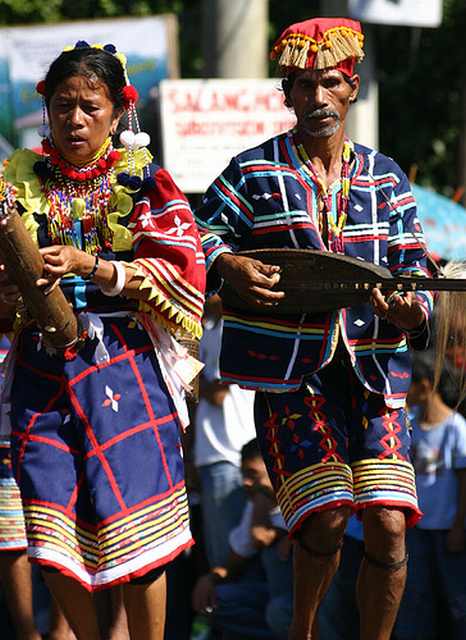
x: 79, y: 198
x: 328, y: 226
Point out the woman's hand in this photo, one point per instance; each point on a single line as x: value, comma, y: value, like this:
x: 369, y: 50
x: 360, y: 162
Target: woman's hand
x: 60, y: 260
x: 251, y: 279
x: 404, y: 311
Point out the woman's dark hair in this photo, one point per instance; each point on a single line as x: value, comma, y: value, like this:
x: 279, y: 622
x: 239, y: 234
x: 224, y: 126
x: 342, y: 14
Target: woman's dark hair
x: 90, y: 63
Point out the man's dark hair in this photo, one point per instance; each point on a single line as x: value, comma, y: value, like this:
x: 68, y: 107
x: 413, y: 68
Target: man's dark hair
x: 251, y: 450
x: 90, y: 63
x: 424, y: 369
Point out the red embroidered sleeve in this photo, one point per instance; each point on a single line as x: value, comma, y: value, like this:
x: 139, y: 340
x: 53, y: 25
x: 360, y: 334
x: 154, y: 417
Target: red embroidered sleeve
x: 168, y: 260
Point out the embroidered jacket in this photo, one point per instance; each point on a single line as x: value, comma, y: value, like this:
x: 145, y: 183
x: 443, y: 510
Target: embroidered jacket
x: 267, y: 197
x: 153, y: 232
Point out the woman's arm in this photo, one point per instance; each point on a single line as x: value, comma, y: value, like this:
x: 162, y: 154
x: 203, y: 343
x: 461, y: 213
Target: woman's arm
x: 167, y: 274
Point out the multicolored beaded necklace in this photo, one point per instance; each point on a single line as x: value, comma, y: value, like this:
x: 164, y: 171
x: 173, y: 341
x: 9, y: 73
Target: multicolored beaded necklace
x: 78, y: 197
x: 331, y: 229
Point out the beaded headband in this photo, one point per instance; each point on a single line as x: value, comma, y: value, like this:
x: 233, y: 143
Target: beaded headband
x: 132, y: 138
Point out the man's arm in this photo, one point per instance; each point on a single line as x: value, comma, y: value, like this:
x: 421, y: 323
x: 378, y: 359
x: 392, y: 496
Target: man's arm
x: 203, y: 597
x: 407, y: 257
x: 225, y: 220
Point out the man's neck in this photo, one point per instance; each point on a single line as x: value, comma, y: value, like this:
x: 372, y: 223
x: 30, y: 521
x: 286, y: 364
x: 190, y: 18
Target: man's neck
x: 325, y: 153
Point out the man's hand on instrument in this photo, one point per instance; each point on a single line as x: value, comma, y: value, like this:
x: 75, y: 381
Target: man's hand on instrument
x: 404, y: 311
x: 252, y: 280
x: 60, y: 260
x: 9, y: 293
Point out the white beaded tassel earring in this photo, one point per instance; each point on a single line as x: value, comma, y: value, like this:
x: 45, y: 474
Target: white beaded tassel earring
x: 132, y: 138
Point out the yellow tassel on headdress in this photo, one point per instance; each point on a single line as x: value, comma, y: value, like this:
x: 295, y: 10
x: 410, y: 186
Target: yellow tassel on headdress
x: 336, y: 45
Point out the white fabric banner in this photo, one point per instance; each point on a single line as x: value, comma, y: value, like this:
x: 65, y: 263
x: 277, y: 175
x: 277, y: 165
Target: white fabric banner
x: 207, y: 122
x: 416, y: 13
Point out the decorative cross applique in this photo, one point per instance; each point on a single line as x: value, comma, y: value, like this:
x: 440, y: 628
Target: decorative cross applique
x: 112, y: 399
x: 179, y: 228
x: 146, y: 219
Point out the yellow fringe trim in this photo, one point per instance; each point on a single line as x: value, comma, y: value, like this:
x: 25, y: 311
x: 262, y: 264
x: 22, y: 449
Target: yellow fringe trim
x: 336, y: 45
x: 165, y: 310
x: 20, y: 172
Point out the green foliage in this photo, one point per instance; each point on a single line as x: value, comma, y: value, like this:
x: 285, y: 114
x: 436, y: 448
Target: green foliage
x: 30, y: 11
x: 421, y: 82
x: 20, y: 11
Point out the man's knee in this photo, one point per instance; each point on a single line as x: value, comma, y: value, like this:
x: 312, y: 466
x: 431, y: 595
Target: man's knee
x: 323, y: 531
x: 384, y: 532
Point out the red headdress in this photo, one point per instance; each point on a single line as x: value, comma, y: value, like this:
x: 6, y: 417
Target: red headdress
x: 320, y: 43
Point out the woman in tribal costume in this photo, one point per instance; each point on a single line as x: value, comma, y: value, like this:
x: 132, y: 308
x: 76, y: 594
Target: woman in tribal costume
x: 96, y: 433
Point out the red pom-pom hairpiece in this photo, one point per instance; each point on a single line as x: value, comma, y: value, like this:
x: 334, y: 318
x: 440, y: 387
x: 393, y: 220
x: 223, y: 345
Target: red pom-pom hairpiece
x: 130, y: 95
x: 40, y: 87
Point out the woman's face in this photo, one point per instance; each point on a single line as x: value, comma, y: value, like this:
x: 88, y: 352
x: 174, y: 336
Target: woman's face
x: 81, y: 116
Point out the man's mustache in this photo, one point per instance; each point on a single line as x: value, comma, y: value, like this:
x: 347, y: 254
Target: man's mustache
x: 323, y: 113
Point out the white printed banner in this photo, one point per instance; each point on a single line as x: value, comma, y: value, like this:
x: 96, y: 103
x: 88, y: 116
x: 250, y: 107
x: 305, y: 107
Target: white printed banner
x: 207, y: 122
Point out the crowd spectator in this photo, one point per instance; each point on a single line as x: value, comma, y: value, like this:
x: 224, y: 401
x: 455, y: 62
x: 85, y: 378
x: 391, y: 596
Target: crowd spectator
x: 224, y: 422
x: 437, y: 568
x: 251, y: 595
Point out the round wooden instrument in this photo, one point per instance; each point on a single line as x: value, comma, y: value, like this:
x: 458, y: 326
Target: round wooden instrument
x: 24, y: 264
x: 319, y: 281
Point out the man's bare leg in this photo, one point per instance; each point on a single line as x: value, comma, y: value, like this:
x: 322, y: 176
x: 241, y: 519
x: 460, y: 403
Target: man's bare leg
x: 382, y: 575
x: 76, y: 603
x: 15, y: 574
x: 316, y: 558
x: 145, y: 609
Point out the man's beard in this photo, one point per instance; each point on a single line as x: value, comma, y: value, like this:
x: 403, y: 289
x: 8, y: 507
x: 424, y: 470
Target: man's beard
x: 327, y: 130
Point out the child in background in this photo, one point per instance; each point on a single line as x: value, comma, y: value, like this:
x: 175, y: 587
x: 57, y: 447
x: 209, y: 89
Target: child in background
x: 251, y: 595
x: 224, y: 422
x: 436, y: 546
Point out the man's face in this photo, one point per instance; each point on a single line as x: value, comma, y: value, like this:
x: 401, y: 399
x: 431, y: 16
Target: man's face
x: 320, y: 100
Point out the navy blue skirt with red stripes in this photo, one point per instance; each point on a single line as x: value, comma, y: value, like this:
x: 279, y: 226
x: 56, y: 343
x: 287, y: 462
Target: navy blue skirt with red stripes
x: 97, y: 456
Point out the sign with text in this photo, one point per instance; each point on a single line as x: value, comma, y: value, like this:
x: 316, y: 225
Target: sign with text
x: 207, y: 122
x: 149, y: 44
x: 415, y: 13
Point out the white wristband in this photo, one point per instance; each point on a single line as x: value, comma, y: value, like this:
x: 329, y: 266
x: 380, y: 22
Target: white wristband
x: 120, y: 280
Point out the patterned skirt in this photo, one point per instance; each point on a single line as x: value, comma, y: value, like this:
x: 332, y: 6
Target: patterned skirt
x: 98, y: 459
x: 12, y: 532
x: 333, y: 443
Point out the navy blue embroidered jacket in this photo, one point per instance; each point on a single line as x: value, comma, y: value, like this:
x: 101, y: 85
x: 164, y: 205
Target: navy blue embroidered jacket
x: 267, y: 197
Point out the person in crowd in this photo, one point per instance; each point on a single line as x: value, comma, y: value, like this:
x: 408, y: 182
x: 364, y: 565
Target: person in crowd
x: 96, y: 429
x: 251, y: 594
x: 335, y: 438
x: 436, y: 546
x: 224, y: 422
x: 15, y: 570
x: 16, y: 579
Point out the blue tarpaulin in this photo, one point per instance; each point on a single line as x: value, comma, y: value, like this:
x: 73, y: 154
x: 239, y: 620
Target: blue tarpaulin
x: 444, y: 223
